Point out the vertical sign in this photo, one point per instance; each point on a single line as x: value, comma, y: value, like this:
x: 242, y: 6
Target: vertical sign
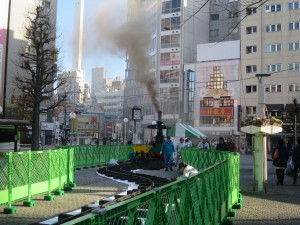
x: 4, y: 7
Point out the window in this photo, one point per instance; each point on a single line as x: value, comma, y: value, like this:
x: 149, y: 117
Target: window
x: 273, y: 88
x: 170, y: 41
x: 170, y: 23
x: 207, y: 102
x: 250, y: 69
x: 273, y: 68
x: 171, y: 6
x: 294, y: 66
x: 294, y: 26
x: 216, y: 80
x: 250, y: 88
x: 251, y: 30
x: 232, y: 14
x: 214, y: 33
x: 273, y: 48
x: 250, y: 11
x: 273, y: 8
x: 273, y: 28
x: 169, y: 76
x: 294, y: 5
x: 226, y: 102
x: 294, y: 87
x: 251, y: 110
x: 251, y: 49
x: 214, y: 17
x: 170, y: 93
x: 294, y: 46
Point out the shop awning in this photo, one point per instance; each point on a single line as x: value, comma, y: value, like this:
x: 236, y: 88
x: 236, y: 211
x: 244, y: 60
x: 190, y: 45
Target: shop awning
x: 184, y: 130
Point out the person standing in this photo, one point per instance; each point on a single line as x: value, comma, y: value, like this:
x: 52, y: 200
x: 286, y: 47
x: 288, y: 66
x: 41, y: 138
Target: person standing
x: 296, y: 160
x: 222, y: 146
x: 178, y: 150
x: 188, y: 143
x: 280, y: 161
x: 167, y: 149
x: 203, y: 144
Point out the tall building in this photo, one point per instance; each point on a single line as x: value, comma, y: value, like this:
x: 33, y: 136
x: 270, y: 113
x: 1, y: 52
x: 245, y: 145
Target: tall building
x: 14, y: 41
x: 270, y: 45
x: 175, y: 29
x: 98, y: 80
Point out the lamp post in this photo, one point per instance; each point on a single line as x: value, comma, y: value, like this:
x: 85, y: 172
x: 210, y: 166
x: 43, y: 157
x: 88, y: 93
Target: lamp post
x: 125, y: 120
x: 296, y: 112
x: 72, y: 117
x: 260, y: 156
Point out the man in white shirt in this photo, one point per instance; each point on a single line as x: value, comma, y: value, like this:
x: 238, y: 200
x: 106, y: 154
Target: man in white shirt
x: 187, y: 170
x: 203, y: 144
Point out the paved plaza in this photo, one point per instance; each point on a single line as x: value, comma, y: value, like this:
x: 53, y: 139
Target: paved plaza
x: 280, y: 205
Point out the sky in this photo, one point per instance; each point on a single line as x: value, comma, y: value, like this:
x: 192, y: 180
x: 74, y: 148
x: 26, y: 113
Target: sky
x: 98, y: 51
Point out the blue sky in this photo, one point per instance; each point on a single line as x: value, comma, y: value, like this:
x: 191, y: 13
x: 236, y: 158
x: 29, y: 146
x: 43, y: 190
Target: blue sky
x: 99, y: 55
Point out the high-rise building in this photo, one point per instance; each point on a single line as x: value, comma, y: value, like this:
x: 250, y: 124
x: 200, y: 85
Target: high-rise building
x: 14, y: 41
x: 98, y: 80
x: 270, y: 45
x: 174, y: 29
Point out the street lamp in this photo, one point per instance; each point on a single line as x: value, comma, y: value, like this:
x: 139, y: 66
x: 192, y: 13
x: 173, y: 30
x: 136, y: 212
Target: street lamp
x: 72, y: 117
x: 125, y: 120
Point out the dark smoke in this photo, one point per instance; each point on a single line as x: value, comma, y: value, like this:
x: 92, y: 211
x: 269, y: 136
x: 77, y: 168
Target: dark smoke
x: 131, y: 36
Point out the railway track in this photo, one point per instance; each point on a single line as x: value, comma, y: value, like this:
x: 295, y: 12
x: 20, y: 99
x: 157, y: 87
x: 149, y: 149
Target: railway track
x: 122, y: 172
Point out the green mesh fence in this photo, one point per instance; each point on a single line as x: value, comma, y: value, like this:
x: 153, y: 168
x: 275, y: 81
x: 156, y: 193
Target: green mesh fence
x: 27, y: 174
x: 205, y: 198
x: 89, y: 155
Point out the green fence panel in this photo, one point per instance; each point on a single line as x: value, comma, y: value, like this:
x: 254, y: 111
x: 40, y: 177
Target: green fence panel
x: 205, y: 198
x: 91, y: 155
x: 27, y: 174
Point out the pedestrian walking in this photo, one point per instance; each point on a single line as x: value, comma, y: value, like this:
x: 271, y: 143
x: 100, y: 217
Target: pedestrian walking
x: 178, y: 150
x: 222, y: 146
x: 296, y: 160
x: 280, y: 156
x: 167, y: 149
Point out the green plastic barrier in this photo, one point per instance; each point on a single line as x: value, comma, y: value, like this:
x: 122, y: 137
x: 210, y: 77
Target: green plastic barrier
x: 205, y: 198
x: 27, y: 174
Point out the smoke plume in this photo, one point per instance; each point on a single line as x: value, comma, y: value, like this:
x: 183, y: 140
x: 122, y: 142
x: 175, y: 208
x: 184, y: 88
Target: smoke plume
x: 131, y: 36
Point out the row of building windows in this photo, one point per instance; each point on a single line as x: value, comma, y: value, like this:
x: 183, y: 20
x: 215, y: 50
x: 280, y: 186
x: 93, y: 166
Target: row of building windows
x: 273, y: 27
x: 273, y: 68
x: 273, y: 88
x: 210, y: 102
x: 274, y: 8
x: 293, y: 46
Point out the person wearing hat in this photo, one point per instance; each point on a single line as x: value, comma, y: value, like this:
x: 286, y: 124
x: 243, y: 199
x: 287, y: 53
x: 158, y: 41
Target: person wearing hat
x: 203, y: 144
x: 222, y: 146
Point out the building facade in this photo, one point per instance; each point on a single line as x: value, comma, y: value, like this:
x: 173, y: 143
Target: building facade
x: 270, y: 45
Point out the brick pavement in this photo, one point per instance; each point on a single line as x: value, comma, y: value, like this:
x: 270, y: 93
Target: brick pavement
x: 90, y: 188
x: 280, y: 205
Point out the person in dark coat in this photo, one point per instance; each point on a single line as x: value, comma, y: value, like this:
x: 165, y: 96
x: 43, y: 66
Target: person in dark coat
x: 296, y: 159
x: 281, y: 162
x: 222, y: 146
x: 168, y: 149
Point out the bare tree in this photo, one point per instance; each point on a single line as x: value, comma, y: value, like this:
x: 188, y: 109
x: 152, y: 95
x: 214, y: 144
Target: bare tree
x: 37, y: 78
